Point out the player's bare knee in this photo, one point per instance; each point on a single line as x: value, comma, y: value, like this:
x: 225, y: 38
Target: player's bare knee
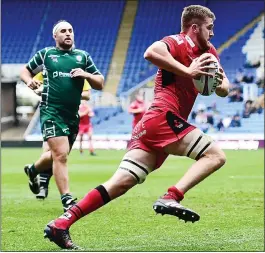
x: 220, y: 158
x: 217, y: 155
x: 60, y: 157
x: 125, y: 183
x: 119, y: 184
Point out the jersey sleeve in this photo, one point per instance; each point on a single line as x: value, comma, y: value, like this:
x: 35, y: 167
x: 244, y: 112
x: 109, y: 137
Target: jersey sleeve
x: 91, y: 67
x: 172, y: 44
x: 86, y: 86
x: 39, y: 77
x: 35, y: 64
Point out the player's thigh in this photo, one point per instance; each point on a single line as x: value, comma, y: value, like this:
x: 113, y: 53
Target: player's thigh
x: 59, y: 146
x: 147, y: 158
x: 193, y: 145
x: 134, y: 167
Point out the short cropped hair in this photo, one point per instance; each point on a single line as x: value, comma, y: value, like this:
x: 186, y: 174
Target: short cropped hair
x: 195, y: 14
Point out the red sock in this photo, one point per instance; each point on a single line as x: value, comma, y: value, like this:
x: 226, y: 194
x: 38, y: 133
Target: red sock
x: 95, y: 199
x: 174, y: 193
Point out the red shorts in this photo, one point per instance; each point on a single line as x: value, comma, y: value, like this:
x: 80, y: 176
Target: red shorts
x: 157, y: 129
x: 84, y: 129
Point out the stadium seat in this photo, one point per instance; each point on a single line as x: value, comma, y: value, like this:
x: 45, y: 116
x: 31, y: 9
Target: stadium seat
x: 93, y: 30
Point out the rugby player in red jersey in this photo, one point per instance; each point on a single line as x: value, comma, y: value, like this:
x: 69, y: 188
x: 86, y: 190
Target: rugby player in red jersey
x: 85, y: 125
x: 137, y: 108
x: 164, y: 129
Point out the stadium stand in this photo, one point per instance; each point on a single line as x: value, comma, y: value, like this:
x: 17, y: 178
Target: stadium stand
x: 93, y: 30
x: 18, y: 46
x: 155, y: 20
x: 96, y: 34
x: 231, y: 59
x: 227, y: 25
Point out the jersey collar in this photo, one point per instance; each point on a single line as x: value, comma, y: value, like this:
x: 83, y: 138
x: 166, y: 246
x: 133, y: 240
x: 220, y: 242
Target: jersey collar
x: 195, y: 48
x: 64, y: 51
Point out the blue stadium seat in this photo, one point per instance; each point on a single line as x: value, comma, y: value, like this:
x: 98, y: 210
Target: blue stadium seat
x: 156, y: 19
x: 20, y: 30
x: 95, y: 31
x: 96, y: 34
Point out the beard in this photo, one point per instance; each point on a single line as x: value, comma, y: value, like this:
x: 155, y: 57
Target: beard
x: 204, y: 44
x: 66, y: 45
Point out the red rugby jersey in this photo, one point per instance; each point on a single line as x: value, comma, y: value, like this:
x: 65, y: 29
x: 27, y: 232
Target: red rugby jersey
x: 177, y: 92
x: 85, y: 120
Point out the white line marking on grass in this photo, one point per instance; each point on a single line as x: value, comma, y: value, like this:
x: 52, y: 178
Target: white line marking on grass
x: 246, y: 177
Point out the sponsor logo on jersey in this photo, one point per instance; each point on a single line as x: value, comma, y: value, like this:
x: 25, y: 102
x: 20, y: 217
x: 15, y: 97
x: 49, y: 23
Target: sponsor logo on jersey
x: 60, y: 74
x: 54, y: 57
x: 138, y: 136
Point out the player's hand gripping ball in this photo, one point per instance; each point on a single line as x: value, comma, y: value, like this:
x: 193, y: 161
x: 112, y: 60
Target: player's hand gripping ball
x: 206, y: 85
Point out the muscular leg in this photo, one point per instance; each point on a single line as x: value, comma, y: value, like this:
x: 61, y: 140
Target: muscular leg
x: 59, y: 147
x: 122, y: 181
x: 213, y: 159
x: 193, y: 145
x: 117, y: 185
x: 44, y: 163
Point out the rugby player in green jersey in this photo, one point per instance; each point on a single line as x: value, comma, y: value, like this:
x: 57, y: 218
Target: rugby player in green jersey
x: 64, y: 70
x: 45, y: 177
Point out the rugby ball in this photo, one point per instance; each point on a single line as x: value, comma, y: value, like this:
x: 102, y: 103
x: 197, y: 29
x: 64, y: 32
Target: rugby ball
x: 206, y: 85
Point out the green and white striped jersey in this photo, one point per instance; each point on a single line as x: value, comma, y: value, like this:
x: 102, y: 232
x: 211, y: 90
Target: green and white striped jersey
x: 60, y: 91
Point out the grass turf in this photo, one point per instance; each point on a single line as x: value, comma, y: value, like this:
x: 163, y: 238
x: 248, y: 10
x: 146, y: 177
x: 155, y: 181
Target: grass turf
x: 230, y: 202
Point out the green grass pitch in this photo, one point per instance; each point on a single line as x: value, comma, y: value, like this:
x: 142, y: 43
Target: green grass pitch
x: 230, y: 202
